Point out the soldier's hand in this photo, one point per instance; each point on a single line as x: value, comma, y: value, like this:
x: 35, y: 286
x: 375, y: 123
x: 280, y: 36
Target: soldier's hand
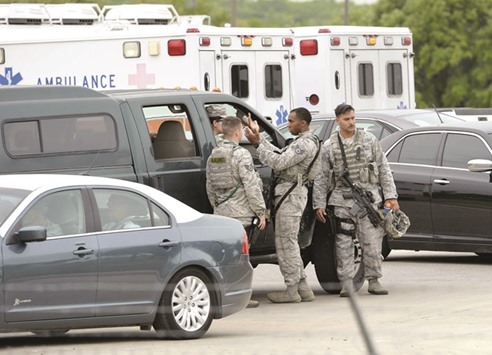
x: 392, y: 204
x: 320, y: 215
x: 252, y: 132
x: 262, y: 223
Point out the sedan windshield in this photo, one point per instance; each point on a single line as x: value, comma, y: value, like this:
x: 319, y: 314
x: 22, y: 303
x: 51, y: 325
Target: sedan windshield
x: 9, y: 200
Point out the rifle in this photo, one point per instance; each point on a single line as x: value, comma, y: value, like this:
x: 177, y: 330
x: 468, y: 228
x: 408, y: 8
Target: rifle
x: 363, y: 202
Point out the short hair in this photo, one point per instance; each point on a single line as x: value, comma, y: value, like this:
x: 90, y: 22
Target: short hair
x: 343, y: 108
x: 230, y: 124
x: 303, y: 114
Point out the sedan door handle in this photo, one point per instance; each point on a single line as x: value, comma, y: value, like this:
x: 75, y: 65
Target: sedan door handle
x: 441, y: 182
x: 167, y: 244
x: 82, y: 252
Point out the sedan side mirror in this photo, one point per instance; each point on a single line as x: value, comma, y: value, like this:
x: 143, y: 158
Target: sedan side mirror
x: 480, y: 165
x: 32, y: 234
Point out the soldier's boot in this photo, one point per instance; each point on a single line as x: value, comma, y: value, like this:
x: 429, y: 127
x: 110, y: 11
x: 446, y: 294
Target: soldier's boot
x: 307, y: 295
x: 290, y: 295
x: 375, y: 287
x: 253, y: 304
x: 347, y: 286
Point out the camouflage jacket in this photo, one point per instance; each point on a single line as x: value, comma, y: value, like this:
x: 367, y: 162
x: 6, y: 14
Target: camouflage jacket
x: 291, y: 163
x: 374, y: 172
x: 247, y: 200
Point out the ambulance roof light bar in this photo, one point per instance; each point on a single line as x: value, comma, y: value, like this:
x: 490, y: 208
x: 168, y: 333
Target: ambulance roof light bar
x: 142, y: 14
x: 24, y: 14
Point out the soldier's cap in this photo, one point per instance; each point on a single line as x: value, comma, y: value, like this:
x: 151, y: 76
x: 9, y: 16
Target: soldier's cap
x: 216, y: 112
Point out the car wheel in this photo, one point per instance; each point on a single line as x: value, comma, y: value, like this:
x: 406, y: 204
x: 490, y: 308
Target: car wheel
x: 50, y: 333
x: 186, y: 306
x: 385, y: 248
x: 325, y: 261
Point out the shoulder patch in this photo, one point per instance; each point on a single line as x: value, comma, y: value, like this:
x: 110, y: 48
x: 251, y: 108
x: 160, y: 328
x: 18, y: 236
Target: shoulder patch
x: 249, y: 167
x: 299, y: 151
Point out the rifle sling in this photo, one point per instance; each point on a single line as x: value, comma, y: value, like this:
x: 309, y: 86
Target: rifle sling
x: 295, y: 183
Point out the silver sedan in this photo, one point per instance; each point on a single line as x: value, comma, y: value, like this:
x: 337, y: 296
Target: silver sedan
x: 81, y: 251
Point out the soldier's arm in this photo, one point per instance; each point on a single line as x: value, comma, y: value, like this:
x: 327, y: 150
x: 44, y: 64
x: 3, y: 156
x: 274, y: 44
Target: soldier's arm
x: 322, y: 180
x: 210, y: 190
x: 251, y: 182
x: 385, y: 176
x: 296, y: 152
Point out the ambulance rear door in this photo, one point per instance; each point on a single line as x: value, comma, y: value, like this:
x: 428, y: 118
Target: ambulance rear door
x: 381, y: 79
x: 261, y: 78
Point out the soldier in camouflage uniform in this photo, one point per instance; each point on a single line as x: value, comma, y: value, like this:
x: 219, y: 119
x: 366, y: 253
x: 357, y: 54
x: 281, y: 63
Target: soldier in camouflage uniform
x: 234, y: 188
x: 368, y: 167
x: 291, y: 166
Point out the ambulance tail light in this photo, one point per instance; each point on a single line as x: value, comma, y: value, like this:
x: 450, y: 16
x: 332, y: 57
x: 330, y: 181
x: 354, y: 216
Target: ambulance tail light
x: 192, y: 30
x: 314, y: 99
x: 406, y: 41
x: 287, y: 41
x: 176, y: 47
x: 335, y: 41
x: 204, y: 41
x: 309, y: 47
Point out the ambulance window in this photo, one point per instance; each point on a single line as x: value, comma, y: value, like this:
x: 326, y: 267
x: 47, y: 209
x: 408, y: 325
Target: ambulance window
x: 131, y: 49
x: 366, y: 79
x: 2, y: 56
x: 239, y: 81
x: 60, y: 135
x: 170, y: 131
x: 273, y: 81
x: 394, y: 76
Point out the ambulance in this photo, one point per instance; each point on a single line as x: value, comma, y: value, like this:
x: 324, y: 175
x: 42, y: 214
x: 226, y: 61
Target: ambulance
x: 368, y: 67
x: 145, y: 46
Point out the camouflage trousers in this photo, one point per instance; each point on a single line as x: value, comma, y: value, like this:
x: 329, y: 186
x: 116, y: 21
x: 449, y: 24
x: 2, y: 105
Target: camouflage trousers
x: 287, y: 222
x: 370, y: 239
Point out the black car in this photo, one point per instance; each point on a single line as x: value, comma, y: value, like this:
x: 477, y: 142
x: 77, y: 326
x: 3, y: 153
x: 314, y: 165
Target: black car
x: 444, y: 182
x: 381, y: 123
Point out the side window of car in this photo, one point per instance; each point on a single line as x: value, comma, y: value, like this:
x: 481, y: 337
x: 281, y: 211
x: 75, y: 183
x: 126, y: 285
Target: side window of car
x: 171, y: 131
x: 120, y: 209
x: 420, y: 149
x: 160, y: 217
x: 61, y: 213
x: 460, y: 148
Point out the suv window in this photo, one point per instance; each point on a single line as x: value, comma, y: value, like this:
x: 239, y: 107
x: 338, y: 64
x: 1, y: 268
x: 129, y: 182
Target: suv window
x: 460, y: 148
x: 417, y: 149
x: 60, y: 135
x: 170, y: 131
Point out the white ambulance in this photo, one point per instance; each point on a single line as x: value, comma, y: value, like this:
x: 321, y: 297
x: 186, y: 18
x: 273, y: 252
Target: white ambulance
x: 368, y: 67
x: 151, y: 46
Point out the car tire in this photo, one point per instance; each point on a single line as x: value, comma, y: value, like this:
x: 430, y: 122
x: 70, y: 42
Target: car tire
x: 325, y: 260
x: 385, y: 248
x: 186, y: 308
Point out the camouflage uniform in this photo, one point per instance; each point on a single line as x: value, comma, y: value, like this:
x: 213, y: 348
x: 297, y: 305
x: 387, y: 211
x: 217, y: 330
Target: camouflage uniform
x: 369, y: 168
x: 290, y: 164
x: 234, y: 188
